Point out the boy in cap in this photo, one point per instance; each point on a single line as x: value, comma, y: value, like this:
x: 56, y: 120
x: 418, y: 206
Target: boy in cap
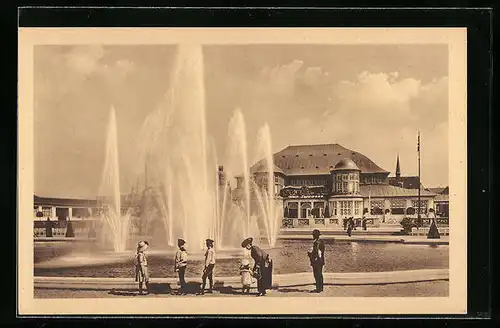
x: 141, y: 267
x: 317, y: 257
x: 209, y: 267
x: 180, y: 264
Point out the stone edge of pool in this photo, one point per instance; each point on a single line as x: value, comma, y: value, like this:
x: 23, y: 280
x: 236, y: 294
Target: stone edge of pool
x: 381, y: 239
x: 279, y: 280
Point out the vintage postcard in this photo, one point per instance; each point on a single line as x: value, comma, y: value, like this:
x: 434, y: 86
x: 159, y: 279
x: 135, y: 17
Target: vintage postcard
x: 179, y: 171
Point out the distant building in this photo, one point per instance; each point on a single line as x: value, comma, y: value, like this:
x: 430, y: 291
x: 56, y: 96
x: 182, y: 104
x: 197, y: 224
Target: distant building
x: 407, y: 182
x: 62, y: 209
x: 441, y: 201
x: 320, y: 185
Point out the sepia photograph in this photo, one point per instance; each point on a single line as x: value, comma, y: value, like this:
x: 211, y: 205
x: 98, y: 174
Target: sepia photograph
x: 253, y: 171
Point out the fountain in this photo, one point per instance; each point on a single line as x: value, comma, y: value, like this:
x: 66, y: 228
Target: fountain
x: 271, y: 213
x: 237, y: 158
x: 115, y: 223
x: 181, y: 170
x: 189, y: 197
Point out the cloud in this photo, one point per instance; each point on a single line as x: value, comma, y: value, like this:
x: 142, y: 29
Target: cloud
x: 375, y: 113
x: 379, y: 115
x: 64, y: 70
x: 84, y: 59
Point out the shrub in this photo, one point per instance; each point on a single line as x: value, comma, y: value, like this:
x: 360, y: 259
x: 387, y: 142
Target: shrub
x: 408, y: 224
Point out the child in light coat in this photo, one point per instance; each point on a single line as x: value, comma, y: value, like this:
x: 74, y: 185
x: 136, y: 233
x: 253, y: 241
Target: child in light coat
x: 141, y: 267
x: 246, y: 276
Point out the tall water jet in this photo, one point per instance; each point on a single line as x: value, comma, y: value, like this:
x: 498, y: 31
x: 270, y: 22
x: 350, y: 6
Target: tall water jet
x: 164, y: 200
x: 188, y: 102
x: 238, y: 146
x: 266, y: 194
x: 218, y: 224
x: 116, y: 223
x: 184, y: 165
x: 170, y: 207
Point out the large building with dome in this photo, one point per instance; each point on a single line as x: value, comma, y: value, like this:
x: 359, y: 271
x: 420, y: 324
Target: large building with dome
x: 321, y: 185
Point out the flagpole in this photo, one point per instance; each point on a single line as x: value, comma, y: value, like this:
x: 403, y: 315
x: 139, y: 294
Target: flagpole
x: 419, y: 185
x: 369, y: 200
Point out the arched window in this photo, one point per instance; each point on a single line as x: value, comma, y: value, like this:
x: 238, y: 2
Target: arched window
x: 293, y: 210
x: 305, y: 210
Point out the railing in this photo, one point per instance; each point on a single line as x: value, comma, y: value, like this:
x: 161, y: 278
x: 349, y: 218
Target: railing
x: 287, y: 223
x: 319, y: 221
x: 333, y: 221
x: 61, y: 232
x: 443, y: 221
x: 303, y: 222
x: 443, y: 231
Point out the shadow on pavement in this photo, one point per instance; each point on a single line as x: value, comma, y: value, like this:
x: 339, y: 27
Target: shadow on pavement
x: 293, y: 290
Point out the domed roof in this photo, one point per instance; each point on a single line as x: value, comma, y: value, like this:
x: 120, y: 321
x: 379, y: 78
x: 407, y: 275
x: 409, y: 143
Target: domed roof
x: 346, y: 164
x: 319, y: 159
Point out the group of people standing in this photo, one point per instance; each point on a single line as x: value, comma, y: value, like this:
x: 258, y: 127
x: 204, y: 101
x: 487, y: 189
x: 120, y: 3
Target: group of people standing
x: 180, y: 265
x: 261, y: 271
x: 349, y: 225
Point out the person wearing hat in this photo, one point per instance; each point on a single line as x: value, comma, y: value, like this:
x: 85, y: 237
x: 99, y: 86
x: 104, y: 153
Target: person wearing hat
x: 263, y: 266
x: 141, y: 266
x: 180, y: 264
x: 317, y: 257
x: 246, y: 276
x: 209, y: 267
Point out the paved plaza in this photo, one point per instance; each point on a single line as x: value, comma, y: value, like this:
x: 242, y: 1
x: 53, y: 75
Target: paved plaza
x: 439, y: 288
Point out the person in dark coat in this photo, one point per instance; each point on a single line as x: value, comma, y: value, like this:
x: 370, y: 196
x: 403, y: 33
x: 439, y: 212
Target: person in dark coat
x: 317, y: 258
x: 350, y: 226
x: 433, y: 230
x: 363, y: 223
x: 263, y: 266
x: 48, y: 228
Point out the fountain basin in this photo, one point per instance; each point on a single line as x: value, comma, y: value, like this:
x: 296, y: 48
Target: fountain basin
x: 290, y: 256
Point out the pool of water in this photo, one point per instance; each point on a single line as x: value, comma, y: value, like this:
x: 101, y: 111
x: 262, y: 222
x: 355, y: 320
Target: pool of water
x: 84, y: 259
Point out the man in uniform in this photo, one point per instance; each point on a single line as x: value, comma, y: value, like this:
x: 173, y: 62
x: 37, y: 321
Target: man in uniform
x: 317, y: 257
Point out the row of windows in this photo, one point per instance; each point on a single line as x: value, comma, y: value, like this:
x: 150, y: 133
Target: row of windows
x: 338, y: 177
x: 345, y: 187
x: 346, y: 208
x: 47, y: 211
x: 345, y: 177
x: 312, y: 182
x: 373, y: 180
x: 76, y: 212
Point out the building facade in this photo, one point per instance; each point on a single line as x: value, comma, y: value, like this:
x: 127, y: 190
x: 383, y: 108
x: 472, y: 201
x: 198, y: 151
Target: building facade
x: 63, y: 209
x: 323, y: 185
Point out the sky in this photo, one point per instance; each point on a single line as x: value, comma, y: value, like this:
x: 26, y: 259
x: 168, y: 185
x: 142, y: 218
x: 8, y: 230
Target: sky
x: 369, y: 98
